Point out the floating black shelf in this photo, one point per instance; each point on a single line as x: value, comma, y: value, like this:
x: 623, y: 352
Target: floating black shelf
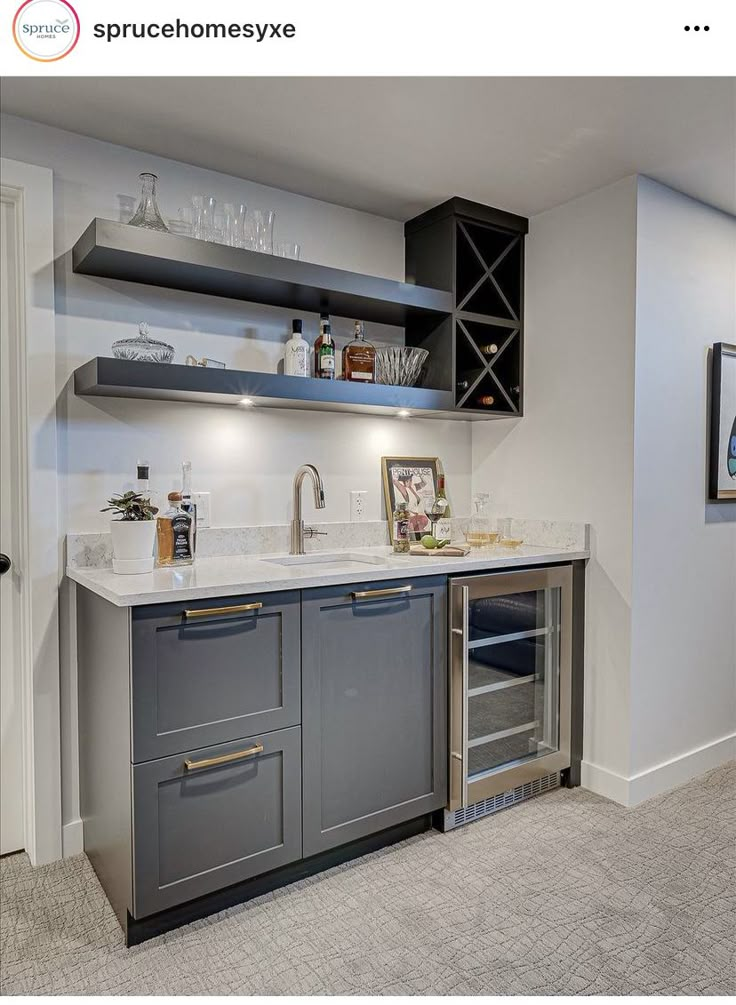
x: 119, y: 378
x: 118, y: 251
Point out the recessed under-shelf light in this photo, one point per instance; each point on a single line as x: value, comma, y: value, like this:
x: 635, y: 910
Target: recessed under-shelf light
x: 403, y: 413
x: 246, y: 402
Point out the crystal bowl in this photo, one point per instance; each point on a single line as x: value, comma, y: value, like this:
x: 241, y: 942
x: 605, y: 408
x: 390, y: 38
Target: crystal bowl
x: 399, y: 365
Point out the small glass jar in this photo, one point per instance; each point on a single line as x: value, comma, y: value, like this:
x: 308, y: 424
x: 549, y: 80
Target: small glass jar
x: 143, y: 347
x: 401, y: 528
x: 147, y: 214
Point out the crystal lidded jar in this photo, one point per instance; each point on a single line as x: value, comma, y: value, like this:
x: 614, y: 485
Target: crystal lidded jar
x: 147, y: 214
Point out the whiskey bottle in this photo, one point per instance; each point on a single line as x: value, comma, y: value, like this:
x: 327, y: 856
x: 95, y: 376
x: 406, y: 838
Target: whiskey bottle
x: 359, y: 358
x: 324, y: 350
x: 174, y: 535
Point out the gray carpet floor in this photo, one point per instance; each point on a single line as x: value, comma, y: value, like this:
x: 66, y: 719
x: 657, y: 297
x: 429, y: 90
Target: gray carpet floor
x: 566, y: 894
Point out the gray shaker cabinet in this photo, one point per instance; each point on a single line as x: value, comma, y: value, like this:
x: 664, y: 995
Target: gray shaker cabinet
x: 213, y: 817
x: 373, y: 707
x: 206, y: 672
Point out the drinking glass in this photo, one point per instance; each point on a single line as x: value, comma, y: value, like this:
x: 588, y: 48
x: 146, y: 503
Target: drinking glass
x: 198, y: 217
x: 209, y: 205
x: 235, y: 216
x: 288, y: 249
x: 263, y: 230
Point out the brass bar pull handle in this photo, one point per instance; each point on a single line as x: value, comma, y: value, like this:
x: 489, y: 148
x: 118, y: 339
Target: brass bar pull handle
x: 205, y: 612
x: 210, y: 762
x: 392, y: 591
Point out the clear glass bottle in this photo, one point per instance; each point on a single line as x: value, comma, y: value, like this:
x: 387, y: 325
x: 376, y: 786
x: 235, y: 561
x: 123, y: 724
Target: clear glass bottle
x: 187, y: 503
x: 401, y: 532
x: 147, y: 214
x: 324, y: 350
x: 439, y: 512
x: 359, y: 358
x: 296, y: 352
x: 480, y: 533
x: 174, y: 534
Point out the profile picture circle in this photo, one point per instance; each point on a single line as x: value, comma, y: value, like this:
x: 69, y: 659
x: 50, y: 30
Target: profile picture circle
x: 46, y: 30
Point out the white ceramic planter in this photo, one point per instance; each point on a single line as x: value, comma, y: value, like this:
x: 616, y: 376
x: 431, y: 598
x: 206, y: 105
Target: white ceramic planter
x: 132, y: 545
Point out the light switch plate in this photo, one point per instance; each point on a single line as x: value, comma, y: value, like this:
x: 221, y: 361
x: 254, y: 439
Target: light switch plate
x: 204, y: 512
x: 357, y: 505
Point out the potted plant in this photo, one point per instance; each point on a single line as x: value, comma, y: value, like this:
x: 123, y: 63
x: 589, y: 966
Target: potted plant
x: 133, y: 529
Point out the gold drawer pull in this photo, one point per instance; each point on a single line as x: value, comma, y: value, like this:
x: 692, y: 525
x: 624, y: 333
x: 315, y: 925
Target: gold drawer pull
x: 210, y: 762
x: 205, y: 612
x: 392, y: 591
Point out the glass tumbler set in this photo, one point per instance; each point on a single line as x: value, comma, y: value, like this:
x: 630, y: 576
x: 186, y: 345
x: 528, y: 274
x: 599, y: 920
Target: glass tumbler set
x: 233, y: 226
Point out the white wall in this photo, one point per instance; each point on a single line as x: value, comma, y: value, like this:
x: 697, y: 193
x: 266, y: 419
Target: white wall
x: 245, y: 458
x: 683, y: 660
x: 571, y: 456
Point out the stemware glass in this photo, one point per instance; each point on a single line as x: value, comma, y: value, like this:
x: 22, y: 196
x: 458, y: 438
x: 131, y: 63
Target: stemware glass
x: 263, y: 220
x: 147, y: 214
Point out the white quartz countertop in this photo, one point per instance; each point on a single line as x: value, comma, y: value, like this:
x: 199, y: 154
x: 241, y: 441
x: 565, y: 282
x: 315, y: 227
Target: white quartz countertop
x: 232, y: 575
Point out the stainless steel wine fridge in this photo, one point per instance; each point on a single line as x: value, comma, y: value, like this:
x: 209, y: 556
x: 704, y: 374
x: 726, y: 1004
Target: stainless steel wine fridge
x: 510, y: 688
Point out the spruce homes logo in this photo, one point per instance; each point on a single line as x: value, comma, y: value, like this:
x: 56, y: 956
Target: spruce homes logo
x: 46, y: 30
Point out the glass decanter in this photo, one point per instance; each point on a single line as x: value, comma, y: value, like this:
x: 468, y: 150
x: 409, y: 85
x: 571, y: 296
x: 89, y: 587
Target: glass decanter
x: 147, y: 214
x: 143, y: 348
x: 480, y: 533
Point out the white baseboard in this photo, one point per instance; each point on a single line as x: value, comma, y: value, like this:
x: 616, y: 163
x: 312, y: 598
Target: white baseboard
x: 72, y: 838
x: 660, y: 778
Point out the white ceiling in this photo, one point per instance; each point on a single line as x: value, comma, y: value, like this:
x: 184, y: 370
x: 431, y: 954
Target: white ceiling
x: 395, y: 146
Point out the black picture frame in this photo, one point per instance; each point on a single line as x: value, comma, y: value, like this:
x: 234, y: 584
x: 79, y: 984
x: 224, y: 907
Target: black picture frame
x: 419, y: 477
x: 722, y: 447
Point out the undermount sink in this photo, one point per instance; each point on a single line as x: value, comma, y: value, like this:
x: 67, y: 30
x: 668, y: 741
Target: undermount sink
x: 327, y: 558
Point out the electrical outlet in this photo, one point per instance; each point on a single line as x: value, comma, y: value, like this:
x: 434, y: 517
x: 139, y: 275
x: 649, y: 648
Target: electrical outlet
x: 357, y: 505
x: 204, y: 513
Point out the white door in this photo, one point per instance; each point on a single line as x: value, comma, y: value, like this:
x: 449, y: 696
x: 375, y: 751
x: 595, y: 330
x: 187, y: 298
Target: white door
x: 11, y: 713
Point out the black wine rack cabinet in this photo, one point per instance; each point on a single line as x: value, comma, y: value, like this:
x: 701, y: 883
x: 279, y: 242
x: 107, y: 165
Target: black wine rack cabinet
x: 477, y: 352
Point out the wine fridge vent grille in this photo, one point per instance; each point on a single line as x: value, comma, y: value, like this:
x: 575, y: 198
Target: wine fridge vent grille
x: 502, y: 801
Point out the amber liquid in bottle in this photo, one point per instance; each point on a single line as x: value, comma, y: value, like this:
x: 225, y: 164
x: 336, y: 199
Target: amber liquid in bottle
x: 359, y: 358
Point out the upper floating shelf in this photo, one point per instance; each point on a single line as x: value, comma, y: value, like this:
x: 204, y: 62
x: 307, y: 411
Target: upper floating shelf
x: 118, y: 251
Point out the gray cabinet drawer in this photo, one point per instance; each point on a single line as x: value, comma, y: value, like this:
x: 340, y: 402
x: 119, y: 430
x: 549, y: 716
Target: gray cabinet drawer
x: 204, y: 678
x: 373, y: 708
x: 198, y: 827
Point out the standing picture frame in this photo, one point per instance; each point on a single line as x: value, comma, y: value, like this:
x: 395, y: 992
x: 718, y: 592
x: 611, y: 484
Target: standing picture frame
x: 412, y: 480
x: 722, y: 450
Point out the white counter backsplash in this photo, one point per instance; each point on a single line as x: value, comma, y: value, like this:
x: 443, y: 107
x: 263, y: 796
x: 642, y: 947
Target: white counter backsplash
x: 94, y: 551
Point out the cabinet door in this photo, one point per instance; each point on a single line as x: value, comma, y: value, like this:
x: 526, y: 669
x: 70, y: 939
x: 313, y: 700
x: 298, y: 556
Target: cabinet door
x: 213, y: 817
x: 209, y: 671
x: 373, y: 707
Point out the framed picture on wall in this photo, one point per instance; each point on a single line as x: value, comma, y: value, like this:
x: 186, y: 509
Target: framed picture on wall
x: 722, y: 464
x: 412, y: 480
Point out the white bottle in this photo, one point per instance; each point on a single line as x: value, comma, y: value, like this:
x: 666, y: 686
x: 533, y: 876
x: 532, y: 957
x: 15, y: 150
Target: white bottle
x: 296, y: 354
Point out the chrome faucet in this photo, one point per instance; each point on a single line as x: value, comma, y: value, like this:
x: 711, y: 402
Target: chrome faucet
x: 298, y: 530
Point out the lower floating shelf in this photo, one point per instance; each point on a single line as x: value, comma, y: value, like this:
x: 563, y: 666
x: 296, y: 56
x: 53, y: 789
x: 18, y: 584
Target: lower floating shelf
x: 120, y: 378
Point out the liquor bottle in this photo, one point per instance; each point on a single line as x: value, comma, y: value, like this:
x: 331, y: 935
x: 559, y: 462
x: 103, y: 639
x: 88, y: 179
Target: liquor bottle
x: 296, y: 353
x: 187, y: 503
x: 174, y: 533
x: 439, y: 512
x: 142, y: 481
x: 401, y: 527
x: 324, y: 350
x: 359, y: 358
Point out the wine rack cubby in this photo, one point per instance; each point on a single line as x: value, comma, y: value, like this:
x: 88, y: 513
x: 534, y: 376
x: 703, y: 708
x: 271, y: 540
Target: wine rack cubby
x: 477, y: 353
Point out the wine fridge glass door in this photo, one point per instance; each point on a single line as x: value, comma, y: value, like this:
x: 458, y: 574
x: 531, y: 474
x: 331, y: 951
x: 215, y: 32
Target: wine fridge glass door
x: 510, y: 686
